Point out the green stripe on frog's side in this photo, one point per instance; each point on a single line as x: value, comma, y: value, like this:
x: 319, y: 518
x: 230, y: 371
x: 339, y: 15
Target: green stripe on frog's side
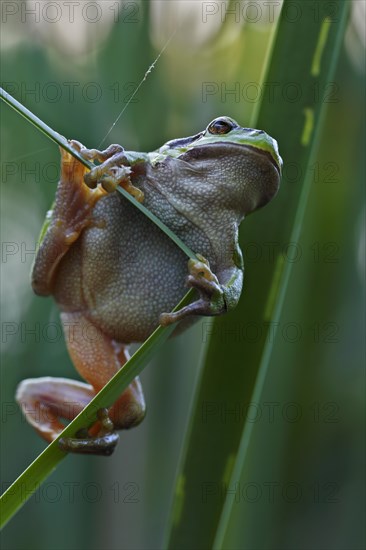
x: 46, y: 224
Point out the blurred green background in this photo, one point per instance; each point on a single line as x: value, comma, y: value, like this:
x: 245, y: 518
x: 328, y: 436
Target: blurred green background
x: 77, y: 71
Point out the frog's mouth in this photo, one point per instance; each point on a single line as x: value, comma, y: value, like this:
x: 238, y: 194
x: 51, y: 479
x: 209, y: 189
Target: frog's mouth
x: 221, y: 147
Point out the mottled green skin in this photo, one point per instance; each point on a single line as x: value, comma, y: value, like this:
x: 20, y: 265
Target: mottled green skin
x: 123, y: 272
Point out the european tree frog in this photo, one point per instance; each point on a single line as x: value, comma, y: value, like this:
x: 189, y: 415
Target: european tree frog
x: 115, y: 275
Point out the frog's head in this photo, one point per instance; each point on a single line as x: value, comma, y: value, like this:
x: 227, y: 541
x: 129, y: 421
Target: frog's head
x: 236, y: 167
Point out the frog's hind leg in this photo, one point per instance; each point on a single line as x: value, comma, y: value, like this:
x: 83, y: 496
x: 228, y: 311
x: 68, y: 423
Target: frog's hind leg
x: 45, y: 401
x: 71, y: 214
x: 97, y: 358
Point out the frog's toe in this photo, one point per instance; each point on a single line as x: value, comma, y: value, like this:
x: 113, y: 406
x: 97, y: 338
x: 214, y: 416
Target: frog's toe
x: 102, y: 444
x: 76, y: 145
x: 203, y: 279
x: 206, y: 288
x: 199, y: 307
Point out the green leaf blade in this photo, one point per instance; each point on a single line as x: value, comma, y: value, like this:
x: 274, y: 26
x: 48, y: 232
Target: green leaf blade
x: 304, y: 56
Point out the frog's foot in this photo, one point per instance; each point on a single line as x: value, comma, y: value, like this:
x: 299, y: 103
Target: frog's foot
x: 44, y: 401
x: 112, y: 172
x: 96, y: 154
x: 211, y: 300
x: 103, y: 443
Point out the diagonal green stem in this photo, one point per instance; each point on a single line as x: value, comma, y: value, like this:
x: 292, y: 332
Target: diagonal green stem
x: 31, y: 479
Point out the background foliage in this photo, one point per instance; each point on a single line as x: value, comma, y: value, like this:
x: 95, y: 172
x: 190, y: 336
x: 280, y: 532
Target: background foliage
x: 303, y: 484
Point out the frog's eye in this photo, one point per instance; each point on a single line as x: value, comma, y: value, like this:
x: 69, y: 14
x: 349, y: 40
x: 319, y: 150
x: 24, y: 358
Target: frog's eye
x: 221, y: 126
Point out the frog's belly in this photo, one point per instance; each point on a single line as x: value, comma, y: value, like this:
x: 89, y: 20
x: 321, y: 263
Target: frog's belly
x: 136, y: 288
x: 128, y: 273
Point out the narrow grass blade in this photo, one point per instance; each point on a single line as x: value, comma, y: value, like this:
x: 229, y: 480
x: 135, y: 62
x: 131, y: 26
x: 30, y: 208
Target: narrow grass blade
x: 30, y: 480
x: 239, y: 346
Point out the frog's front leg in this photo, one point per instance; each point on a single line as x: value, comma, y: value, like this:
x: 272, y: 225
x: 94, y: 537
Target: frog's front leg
x: 216, y: 297
x: 45, y: 401
x: 113, y: 171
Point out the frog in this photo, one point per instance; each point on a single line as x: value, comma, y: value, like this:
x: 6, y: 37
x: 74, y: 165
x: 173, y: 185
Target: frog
x: 116, y: 276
